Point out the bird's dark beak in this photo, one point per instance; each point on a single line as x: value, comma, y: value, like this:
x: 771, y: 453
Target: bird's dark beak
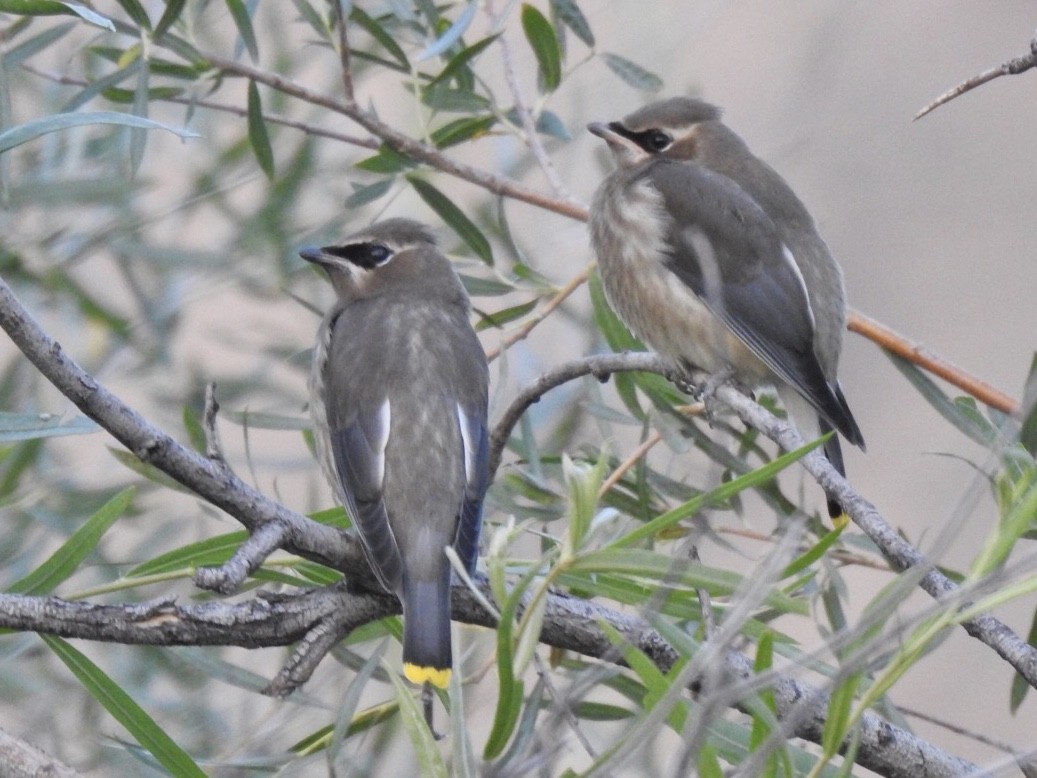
x: 612, y: 134
x: 312, y: 254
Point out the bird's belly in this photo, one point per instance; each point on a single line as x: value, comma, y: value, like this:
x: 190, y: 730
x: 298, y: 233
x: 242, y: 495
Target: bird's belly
x: 657, y: 306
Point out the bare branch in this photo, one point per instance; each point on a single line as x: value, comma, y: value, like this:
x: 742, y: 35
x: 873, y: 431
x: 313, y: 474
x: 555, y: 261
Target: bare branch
x: 569, y: 623
x: 1011, y: 68
x: 343, y: 53
x: 24, y: 760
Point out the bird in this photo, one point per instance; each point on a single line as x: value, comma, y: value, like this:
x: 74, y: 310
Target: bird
x: 398, y: 396
x: 710, y: 258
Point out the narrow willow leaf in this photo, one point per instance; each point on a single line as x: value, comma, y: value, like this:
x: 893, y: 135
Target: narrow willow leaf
x: 430, y: 762
x: 573, y: 18
x: 136, y: 12
x: 452, y: 35
x: 485, y: 287
x: 66, y: 560
x: 632, y: 73
x: 720, y: 494
x: 379, y: 34
x: 364, y: 194
x: 454, y: 217
x: 53, y: 8
x: 205, y: 553
x: 24, y: 133
x: 123, y: 709
x: 500, y: 318
x: 443, y: 98
x: 243, y: 22
x: 386, y: 161
x: 28, y: 426
x: 169, y: 16
x: 460, y: 61
x: 18, y: 54
x: 257, y: 135
x: 461, y: 130
x: 549, y: 123
x: 983, y: 432
x: 544, y: 42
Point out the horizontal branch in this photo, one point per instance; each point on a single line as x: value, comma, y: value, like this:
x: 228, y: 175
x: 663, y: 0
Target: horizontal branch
x: 569, y: 623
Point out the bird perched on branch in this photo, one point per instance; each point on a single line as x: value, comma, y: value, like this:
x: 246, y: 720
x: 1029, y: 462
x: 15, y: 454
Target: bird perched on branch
x: 398, y: 395
x: 711, y: 259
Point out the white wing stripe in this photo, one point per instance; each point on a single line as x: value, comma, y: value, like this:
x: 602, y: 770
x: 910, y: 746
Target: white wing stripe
x: 467, y: 444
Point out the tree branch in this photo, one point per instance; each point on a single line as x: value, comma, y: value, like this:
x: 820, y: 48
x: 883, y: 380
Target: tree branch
x: 569, y: 623
x: 897, y: 551
x: 1011, y: 68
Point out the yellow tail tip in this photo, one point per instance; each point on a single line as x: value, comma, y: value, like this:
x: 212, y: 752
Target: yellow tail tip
x: 840, y: 521
x: 437, y: 676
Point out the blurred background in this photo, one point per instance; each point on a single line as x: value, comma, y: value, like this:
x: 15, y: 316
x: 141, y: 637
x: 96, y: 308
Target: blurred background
x: 193, y: 262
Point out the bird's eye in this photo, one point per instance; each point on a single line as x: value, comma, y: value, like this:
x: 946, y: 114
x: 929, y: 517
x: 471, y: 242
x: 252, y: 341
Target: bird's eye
x: 657, y: 140
x: 365, y: 255
x: 377, y: 254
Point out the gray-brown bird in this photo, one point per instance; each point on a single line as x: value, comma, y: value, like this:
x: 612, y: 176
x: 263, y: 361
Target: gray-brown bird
x: 711, y: 259
x: 398, y: 395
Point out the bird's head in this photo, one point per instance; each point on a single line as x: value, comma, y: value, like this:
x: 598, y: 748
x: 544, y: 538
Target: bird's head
x: 395, y: 253
x: 680, y: 128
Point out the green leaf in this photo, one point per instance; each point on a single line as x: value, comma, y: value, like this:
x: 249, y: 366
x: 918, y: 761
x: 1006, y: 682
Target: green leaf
x: 257, y: 135
x: 632, y: 73
x: 442, y: 98
x: 379, y: 34
x: 460, y: 61
x: 430, y: 762
x: 239, y: 12
x: 461, y: 130
x: 136, y: 12
x: 966, y: 421
x: 387, y: 161
x: 1020, y: 688
x: 454, y: 217
x: 64, y: 562
x: 169, y: 16
x: 52, y: 8
x: 1028, y: 431
x: 485, y: 287
x: 452, y: 35
x: 500, y: 318
x: 205, y: 553
x: 28, y: 426
x: 24, y: 133
x: 544, y: 42
x: 18, y: 54
x: 573, y: 18
x: 364, y: 194
x: 721, y: 494
x: 123, y: 709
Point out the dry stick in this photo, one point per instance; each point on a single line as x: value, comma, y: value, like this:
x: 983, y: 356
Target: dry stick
x: 1011, y: 68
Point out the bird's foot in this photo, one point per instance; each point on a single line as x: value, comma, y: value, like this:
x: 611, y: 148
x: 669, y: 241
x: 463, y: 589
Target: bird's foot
x: 705, y: 391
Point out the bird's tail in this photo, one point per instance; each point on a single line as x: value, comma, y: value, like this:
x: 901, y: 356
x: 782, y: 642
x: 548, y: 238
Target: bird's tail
x: 426, y: 629
x: 834, y: 452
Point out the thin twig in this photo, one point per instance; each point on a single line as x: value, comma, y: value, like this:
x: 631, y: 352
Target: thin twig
x: 624, y: 467
x: 343, y: 53
x: 272, y: 118
x: 532, y: 137
x: 1010, y: 68
x: 522, y: 332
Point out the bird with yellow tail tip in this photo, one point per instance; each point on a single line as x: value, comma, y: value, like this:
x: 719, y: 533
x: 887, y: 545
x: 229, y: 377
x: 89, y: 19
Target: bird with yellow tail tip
x: 398, y: 396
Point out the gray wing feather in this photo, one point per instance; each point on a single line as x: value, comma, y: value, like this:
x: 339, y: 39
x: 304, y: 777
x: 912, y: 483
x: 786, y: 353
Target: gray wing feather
x: 750, y: 281
x: 475, y: 440
x: 358, y: 449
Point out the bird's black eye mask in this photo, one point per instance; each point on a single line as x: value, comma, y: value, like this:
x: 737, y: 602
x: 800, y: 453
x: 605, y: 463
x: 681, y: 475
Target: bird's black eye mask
x: 652, y: 140
x: 365, y: 255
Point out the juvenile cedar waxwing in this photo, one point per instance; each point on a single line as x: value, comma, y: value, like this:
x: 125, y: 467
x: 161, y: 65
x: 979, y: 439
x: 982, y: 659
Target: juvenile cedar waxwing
x: 711, y: 259
x: 398, y: 395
